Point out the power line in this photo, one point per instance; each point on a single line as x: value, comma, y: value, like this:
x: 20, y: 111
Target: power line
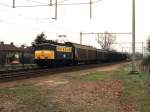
x: 36, y: 19
x: 5, y: 5
x: 75, y: 4
x: 81, y: 3
x: 58, y: 3
x: 22, y: 26
x: 32, y: 5
x: 36, y: 2
x: 20, y: 15
x: 63, y: 1
x: 96, y: 1
x: 16, y: 24
x: 46, y: 3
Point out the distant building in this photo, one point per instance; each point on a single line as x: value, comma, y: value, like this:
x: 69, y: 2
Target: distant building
x: 146, y: 53
x: 10, y: 54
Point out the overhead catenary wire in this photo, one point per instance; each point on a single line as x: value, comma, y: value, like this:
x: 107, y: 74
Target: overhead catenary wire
x: 23, y: 26
x: 55, y: 16
x: 41, y: 4
x: 2, y: 4
x: 36, y: 2
x: 16, y: 24
x: 58, y: 3
x: 16, y: 14
x: 46, y: 3
x: 81, y: 3
x: 37, y: 20
x: 96, y: 1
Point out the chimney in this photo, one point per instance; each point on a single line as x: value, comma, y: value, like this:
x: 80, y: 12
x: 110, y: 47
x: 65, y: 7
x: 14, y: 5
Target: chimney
x: 2, y: 43
x: 12, y: 44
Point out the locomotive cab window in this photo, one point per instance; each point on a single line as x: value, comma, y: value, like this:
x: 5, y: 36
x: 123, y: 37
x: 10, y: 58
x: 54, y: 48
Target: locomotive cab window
x: 45, y: 47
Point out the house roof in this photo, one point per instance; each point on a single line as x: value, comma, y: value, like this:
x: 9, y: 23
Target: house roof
x: 8, y: 47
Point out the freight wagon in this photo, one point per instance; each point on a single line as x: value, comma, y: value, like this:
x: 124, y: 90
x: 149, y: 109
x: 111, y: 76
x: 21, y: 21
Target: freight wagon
x: 83, y: 54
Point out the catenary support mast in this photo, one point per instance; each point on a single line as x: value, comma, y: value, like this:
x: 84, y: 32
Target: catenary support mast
x: 133, y: 36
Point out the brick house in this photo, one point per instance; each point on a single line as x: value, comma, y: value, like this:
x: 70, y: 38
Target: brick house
x: 8, y: 52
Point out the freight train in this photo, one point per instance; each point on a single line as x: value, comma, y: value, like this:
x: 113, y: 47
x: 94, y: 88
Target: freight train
x: 50, y: 54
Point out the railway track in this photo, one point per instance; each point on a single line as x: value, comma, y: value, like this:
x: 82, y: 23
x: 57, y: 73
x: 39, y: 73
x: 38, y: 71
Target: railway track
x: 21, y: 74
x: 17, y: 75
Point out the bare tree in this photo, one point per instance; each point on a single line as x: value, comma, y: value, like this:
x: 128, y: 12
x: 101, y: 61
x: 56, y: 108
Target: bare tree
x: 106, y: 40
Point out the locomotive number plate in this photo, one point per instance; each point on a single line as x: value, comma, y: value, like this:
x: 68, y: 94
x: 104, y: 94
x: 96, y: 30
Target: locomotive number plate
x: 64, y: 49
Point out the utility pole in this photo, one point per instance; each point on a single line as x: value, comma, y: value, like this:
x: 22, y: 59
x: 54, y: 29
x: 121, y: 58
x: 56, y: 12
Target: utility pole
x: 50, y: 3
x: 104, y: 40
x: 142, y: 49
x: 80, y: 37
x: 13, y: 3
x: 133, y: 37
x: 55, y: 9
x: 90, y: 9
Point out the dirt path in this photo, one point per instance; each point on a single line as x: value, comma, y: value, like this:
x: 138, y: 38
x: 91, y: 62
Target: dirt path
x: 58, y: 78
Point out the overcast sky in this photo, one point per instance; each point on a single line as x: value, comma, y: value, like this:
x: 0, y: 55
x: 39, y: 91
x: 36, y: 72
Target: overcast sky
x: 22, y: 24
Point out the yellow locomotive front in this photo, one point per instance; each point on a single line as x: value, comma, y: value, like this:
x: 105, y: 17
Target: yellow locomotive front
x: 44, y: 54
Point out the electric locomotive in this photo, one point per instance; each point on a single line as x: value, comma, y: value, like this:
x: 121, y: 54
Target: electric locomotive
x: 48, y: 54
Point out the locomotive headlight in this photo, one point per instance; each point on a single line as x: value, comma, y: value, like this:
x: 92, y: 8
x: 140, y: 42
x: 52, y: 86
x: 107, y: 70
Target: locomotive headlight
x: 64, y: 55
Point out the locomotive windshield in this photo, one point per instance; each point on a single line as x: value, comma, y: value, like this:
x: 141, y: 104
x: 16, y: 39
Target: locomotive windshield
x: 45, y: 47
